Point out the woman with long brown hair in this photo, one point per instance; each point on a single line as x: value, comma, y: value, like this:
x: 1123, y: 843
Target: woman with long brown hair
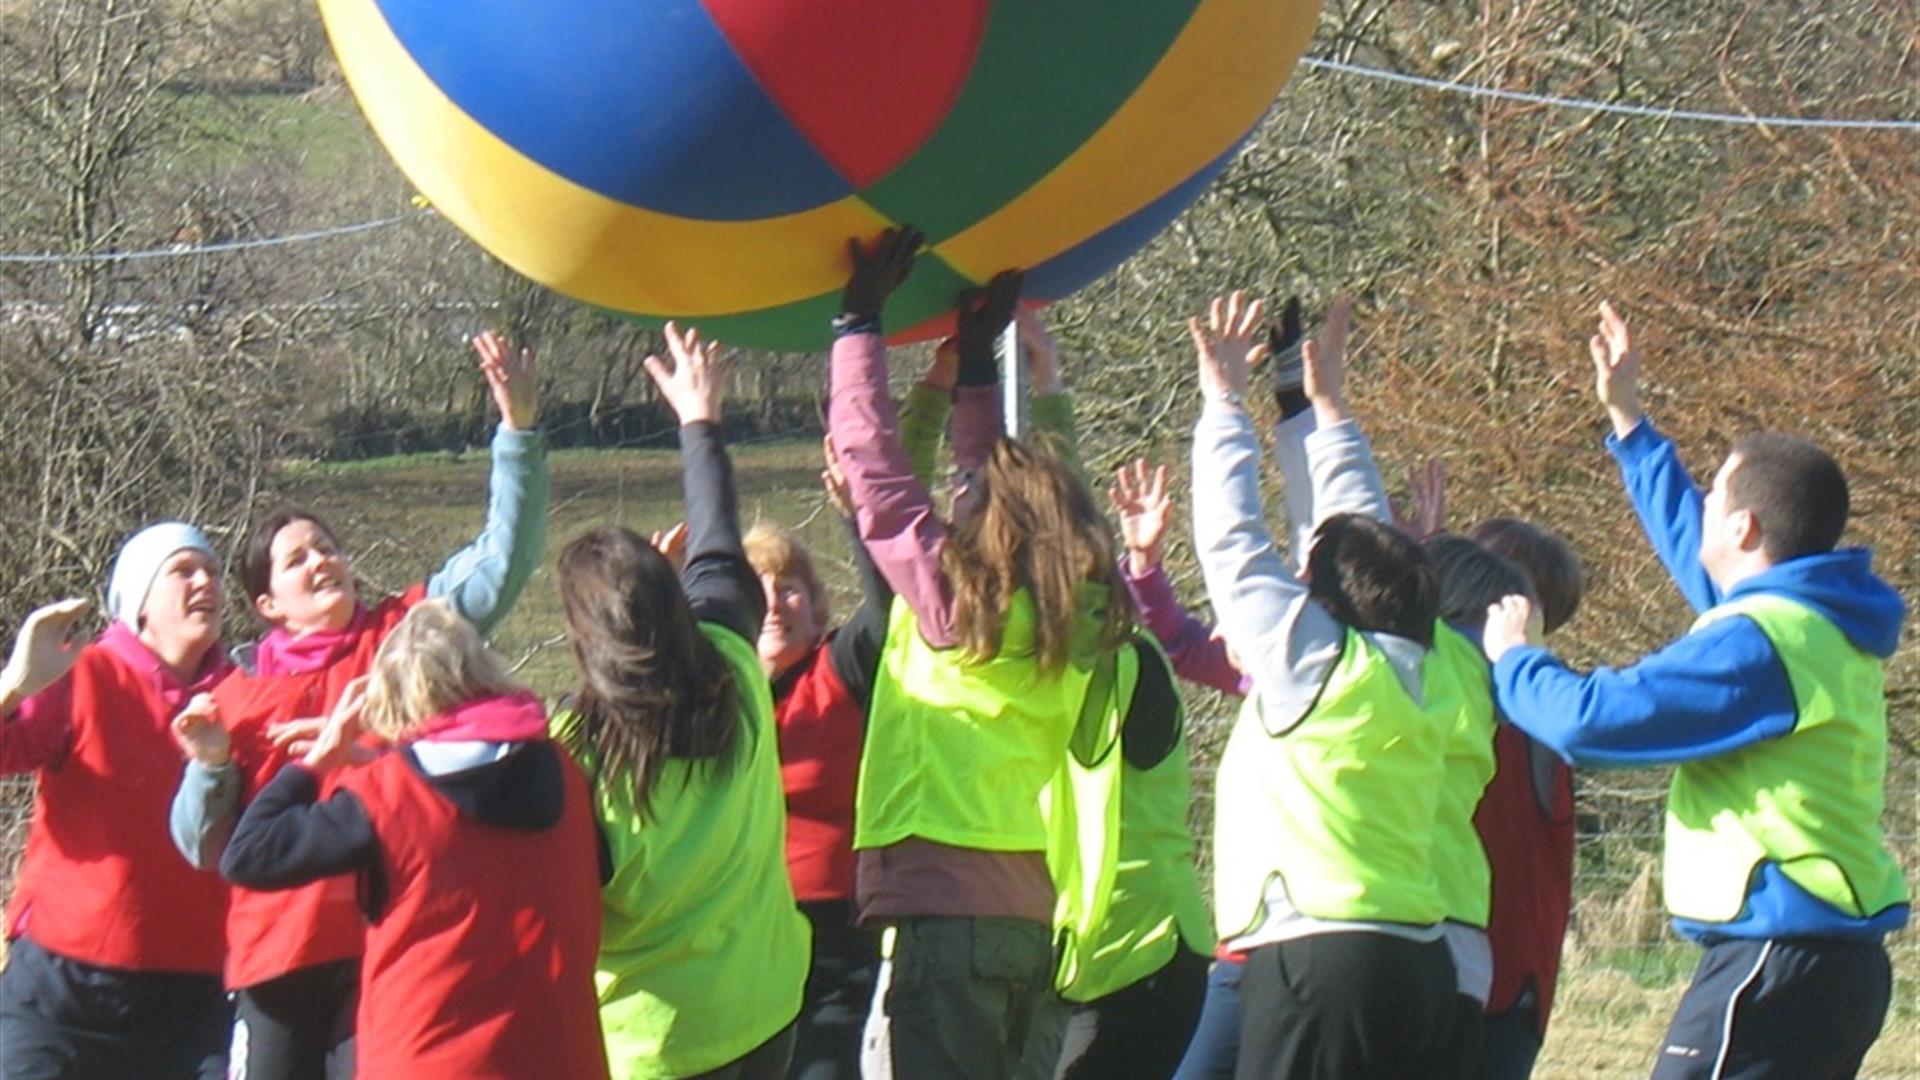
x: 702, y: 952
x: 1001, y: 622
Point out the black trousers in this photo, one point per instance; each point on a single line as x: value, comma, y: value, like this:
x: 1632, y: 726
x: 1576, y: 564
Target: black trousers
x: 298, y: 1026
x: 60, y: 1018
x: 1140, y: 1030
x: 839, y: 994
x: 1789, y: 1008
x: 1461, y: 1058
x: 1510, y: 1044
x: 1346, y: 1006
x: 960, y: 997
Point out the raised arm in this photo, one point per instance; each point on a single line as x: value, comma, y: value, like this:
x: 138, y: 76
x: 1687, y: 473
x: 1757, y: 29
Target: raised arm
x: 721, y: 585
x: 1342, y: 476
x: 982, y: 316
x: 924, y: 412
x: 1139, y: 495
x: 855, y: 646
x: 484, y: 578
x: 893, y: 510
x: 1286, y: 642
x: 1052, y: 406
x: 36, y: 707
x: 1664, y: 496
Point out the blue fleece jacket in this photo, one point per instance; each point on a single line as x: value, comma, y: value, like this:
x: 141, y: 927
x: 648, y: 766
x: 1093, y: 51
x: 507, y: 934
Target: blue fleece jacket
x: 1714, y: 691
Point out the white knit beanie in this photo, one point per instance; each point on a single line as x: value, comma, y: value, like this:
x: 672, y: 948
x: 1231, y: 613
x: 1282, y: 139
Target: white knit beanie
x: 140, y: 560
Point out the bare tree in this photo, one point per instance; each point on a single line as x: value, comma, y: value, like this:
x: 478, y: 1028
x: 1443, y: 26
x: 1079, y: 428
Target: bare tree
x: 82, y: 100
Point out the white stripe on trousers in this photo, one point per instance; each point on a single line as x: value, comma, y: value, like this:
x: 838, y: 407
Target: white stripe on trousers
x: 876, y: 1042
x: 1733, y: 1002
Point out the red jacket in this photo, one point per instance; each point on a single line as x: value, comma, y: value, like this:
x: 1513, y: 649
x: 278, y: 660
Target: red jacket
x: 481, y: 962
x: 272, y: 933
x: 820, y: 731
x: 101, y: 882
x: 1528, y: 834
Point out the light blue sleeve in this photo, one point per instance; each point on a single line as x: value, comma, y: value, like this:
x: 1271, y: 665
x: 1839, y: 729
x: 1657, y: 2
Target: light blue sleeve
x: 484, y: 578
x: 1287, y: 643
x: 1343, y: 475
x: 1296, y: 483
x: 205, y: 807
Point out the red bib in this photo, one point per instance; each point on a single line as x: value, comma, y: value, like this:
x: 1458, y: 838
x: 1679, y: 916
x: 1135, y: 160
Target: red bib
x: 820, y: 730
x: 272, y: 933
x: 101, y: 882
x: 482, y: 963
x: 1531, y: 853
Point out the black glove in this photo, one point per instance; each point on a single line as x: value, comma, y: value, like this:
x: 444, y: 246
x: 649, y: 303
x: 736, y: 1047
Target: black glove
x: 1283, y: 355
x: 877, y: 272
x: 982, y: 316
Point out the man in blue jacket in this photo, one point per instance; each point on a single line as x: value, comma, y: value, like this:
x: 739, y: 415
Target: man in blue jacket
x: 1773, y: 709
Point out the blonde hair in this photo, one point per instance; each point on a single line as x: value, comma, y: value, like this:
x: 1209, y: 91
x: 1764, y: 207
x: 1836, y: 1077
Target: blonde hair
x: 1037, y: 529
x: 773, y: 550
x: 433, y: 661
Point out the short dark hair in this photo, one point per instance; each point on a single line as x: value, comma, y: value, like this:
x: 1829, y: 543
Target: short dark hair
x: 1372, y: 576
x: 1559, y: 579
x: 1472, y: 578
x: 1795, y: 491
x: 256, y: 559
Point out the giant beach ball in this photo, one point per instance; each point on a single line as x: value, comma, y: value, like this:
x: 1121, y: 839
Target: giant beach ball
x: 707, y: 160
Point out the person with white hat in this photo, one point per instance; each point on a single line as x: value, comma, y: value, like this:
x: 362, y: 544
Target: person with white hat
x: 114, y: 942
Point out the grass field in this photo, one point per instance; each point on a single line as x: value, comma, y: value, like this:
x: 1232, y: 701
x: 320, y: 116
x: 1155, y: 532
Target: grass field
x: 401, y: 517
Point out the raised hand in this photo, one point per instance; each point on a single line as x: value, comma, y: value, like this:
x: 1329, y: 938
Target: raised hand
x: 1323, y: 360
x: 1427, y: 493
x: 1042, y: 350
x: 983, y: 315
x: 43, y: 651
x: 672, y: 543
x: 513, y: 378
x: 1511, y: 623
x: 199, y: 733
x: 834, y: 480
x: 338, y: 741
x: 1616, y: 370
x: 879, y: 270
x: 1139, y: 495
x: 697, y: 380
x: 1226, y: 347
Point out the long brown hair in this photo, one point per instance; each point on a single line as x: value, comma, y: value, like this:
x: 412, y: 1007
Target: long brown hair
x: 1038, y: 529
x: 652, y: 686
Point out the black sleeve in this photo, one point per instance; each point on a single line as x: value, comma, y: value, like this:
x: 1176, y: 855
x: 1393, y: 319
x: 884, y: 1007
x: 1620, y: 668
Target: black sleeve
x: 721, y: 585
x: 855, y: 648
x: 978, y: 368
x: 1152, y: 725
x: 286, y: 838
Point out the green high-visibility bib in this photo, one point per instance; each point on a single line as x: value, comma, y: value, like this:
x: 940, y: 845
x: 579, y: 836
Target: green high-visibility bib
x: 1809, y: 801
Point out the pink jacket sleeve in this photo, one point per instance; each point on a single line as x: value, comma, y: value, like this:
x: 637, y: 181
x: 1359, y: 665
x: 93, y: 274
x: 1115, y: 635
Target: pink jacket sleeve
x: 1197, y: 653
x: 893, y: 511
